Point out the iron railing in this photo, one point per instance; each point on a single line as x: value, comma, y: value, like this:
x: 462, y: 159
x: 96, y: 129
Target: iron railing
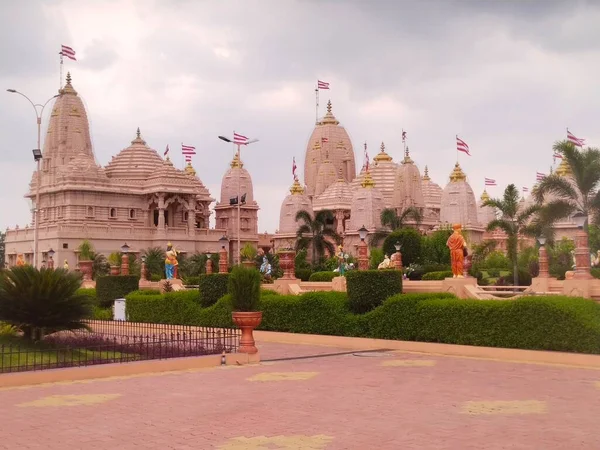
x: 116, y: 342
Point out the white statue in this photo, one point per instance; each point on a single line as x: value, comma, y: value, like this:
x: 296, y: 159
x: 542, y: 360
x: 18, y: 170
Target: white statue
x: 595, y: 259
x: 385, y: 264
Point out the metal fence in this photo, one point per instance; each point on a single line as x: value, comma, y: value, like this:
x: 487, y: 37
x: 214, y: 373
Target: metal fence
x: 116, y: 342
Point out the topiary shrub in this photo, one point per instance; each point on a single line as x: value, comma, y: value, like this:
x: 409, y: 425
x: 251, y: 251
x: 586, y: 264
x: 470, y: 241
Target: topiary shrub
x: 102, y: 313
x: 367, y: 289
x: 110, y: 288
x: 191, y: 281
x: 212, y: 287
x: 323, y: 276
x: 91, y: 293
x: 244, y: 289
x: 411, y: 241
x: 303, y: 274
x: 441, y: 275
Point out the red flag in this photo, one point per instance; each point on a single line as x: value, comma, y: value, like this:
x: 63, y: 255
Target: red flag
x: 68, y: 52
x: 324, y: 140
x: 525, y: 189
x: 575, y: 140
x: 294, y: 169
x: 188, y: 158
x: 188, y: 150
x: 403, y: 136
x: 490, y: 182
x: 366, y: 164
x: 322, y: 84
x: 239, y: 139
x: 462, y: 146
x: 539, y: 176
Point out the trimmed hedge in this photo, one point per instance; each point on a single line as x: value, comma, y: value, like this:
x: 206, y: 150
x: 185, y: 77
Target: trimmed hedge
x: 538, y: 323
x: 91, y: 293
x: 367, y: 289
x: 111, y: 287
x: 212, y: 287
x: 437, y: 275
x: 303, y: 274
x: 323, y: 276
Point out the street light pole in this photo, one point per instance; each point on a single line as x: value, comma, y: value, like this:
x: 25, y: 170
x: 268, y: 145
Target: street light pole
x: 37, y: 156
x: 239, y: 199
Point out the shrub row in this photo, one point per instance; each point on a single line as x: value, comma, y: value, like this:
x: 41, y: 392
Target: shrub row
x: 323, y: 276
x: 367, y: 289
x: 441, y: 275
x: 111, y: 287
x: 542, y: 323
x: 212, y: 287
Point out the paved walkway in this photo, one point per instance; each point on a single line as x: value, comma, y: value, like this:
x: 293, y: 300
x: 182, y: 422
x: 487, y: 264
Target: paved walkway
x: 353, y: 401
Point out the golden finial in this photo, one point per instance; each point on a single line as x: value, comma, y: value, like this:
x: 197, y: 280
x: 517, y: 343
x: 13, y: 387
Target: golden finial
x: 484, y: 196
x: 407, y: 159
x: 563, y: 170
x: 137, y: 134
x: 457, y: 174
x: 236, y: 162
x: 329, y: 119
x: 68, y: 78
x: 426, y: 175
x: 189, y: 169
x: 382, y: 147
x: 296, y: 188
x: 367, y: 180
x: 329, y: 106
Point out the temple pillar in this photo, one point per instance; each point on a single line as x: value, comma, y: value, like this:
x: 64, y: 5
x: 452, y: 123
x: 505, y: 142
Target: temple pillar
x: 582, y: 256
x: 191, y: 218
x: 223, y: 260
x: 161, y: 212
x: 339, y: 218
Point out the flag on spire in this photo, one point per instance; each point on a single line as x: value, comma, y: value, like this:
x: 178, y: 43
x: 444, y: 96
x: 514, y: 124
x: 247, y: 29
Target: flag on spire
x: 239, y: 139
x: 188, y: 150
x: 68, y: 52
x: 525, y: 189
x: 539, y: 176
x: 575, y: 140
x: 322, y: 84
x: 557, y: 155
x: 188, y: 158
x: 403, y: 135
x: 324, y: 140
x: 462, y: 146
x: 366, y: 164
x: 490, y: 182
x: 166, y: 150
x: 294, y: 169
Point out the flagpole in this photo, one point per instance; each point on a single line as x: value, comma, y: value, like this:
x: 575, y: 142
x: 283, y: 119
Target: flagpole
x: 457, y: 149
x: 61, y: 71
x: 317, y: 105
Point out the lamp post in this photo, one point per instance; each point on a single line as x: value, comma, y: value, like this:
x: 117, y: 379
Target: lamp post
x: 37, y: 157
x: 223, y: 254
x: 363, y: 259
x: 50, y: 260
x: 582, y: 251
x: 543, y: 257
x: 125, y: 259
x: 209, y: 263
x: 397, y: 256
x: 143, y: 269
x: 239, y: 200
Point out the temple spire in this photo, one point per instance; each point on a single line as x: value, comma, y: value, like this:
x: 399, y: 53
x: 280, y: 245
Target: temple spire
x: 426, y: 175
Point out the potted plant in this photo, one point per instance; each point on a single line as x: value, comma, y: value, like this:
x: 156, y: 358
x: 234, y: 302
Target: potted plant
x: 248, y: 254
x: 244, y: 289
x: 86, y: 259
x: 114, y: 259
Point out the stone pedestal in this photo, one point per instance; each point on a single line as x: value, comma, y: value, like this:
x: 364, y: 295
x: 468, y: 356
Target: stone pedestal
x: 223, y: 260
x: 582, y: 256
x: 363, y: 258
x: 457, y: 286
x: 339, y: 284
x: 125, y: 264
x: 578, y: 288
x: 143, y: 273
x: 540, y: 284
x: 543, y: 259
x: 397, y: 261
x: 176, y: 284
x: 209, y: 265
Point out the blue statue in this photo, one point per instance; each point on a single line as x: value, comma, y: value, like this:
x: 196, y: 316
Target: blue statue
x: 171, y: 262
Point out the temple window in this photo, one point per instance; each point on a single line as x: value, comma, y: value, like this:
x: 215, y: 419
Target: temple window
x: 112, y: 213
x: 90, y: 211
x: 132, y: 213
x: 185, y: 216
x: 59, y: 211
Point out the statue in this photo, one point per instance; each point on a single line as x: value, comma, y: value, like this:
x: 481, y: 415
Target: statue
x: 457, y: 245
x: 595, y: 259
x: 574, y: 259
x: 20, y: 261
x: 265, y: 268
x: 170, y: 262
x: 66, y: 265
x: 342, y: 260
x: 385, y: 264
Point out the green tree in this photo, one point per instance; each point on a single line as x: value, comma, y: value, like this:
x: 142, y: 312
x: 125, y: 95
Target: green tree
x: 42, y: 301
x: 579, y: 192
x: 155, y: 261
x: 435, y: 250
x: 316, y: 234
x: 514, y: 220
x: 392, y: 221
x: 411, y: 245
x: 2, y: 249
x: 561, y: 257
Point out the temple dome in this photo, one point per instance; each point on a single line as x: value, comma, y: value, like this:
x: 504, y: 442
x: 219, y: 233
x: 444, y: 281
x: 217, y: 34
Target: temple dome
x: 297, y: 200
x: 326, y: 176
x: 458, y: 201
x: 485, y: 214
x: 136, y: 162
x: 432, y: 192
x: 229, y: 183
x: 329, y: 141
x: 337, y: 196
x: 384, y: 171
x: 407, y: 185
x: 367, y: 205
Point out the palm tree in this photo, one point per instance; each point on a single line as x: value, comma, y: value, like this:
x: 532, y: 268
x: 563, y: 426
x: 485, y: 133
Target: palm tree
x: 43, y: 301
x: 392, y: 221
x: 314, y: 233
x: 514, y: 220
x: 580, y: 192
x: 155, y: 260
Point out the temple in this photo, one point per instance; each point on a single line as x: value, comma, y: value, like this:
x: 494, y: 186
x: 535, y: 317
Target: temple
x: 138, y: 198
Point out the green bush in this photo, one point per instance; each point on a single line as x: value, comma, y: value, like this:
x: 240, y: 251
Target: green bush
x: 411, y: 241
x: 212, y: 287
x: 112, y: 287
x: 303, y: 274
x: 498, y: 260
x: 148, y: 292
x: 595, y: 272
x: 367, y: 289
x: 541, y: 323
x: 155, y: 277
x: 441, y: 275
x: 91, y: 293
x: 191, y: 281
x: 376, y: 256
x: 244, y: 289
x: 323, y: 276
x: 436, y: 268
x: 102, y: 313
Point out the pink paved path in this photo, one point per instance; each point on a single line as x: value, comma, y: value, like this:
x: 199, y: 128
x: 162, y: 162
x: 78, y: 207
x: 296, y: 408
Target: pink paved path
x: 391, y: 401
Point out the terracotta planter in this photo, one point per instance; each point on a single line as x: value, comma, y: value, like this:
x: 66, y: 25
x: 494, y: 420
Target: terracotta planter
x: 86, y: 269
x: 287, y: 263
x: 248, y: 264
x: 114, y: 270
x: 247, y: 322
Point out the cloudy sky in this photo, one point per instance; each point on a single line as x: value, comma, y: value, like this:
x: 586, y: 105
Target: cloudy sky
x: 506, y: 76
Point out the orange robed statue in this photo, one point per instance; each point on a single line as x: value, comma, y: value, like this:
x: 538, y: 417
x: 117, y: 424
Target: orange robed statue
x: 456, y: 243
